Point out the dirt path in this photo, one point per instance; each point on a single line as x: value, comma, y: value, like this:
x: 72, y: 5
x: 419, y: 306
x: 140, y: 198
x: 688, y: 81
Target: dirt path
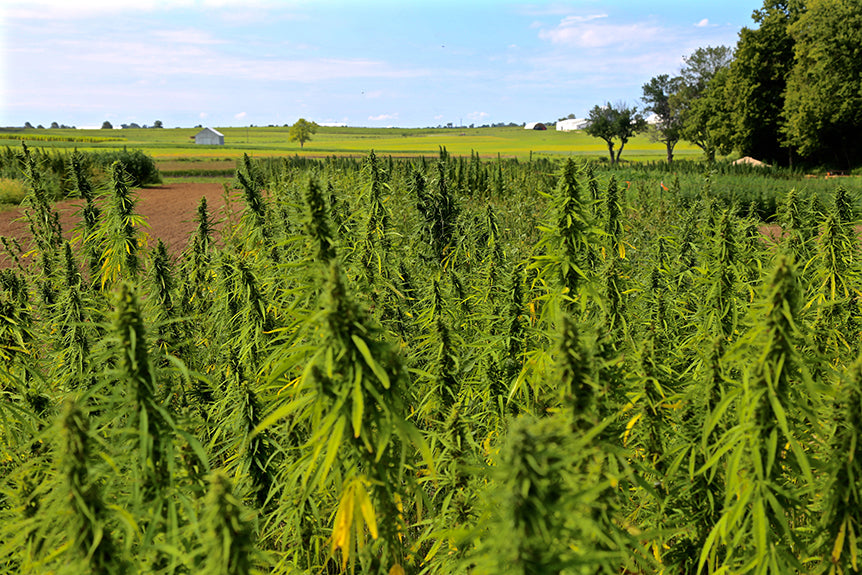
x: 169, y: 210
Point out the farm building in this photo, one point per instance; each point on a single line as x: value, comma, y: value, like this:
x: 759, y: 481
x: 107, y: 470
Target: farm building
x: 535, y: 126
x: 209, y: 137
x: 572, y: 124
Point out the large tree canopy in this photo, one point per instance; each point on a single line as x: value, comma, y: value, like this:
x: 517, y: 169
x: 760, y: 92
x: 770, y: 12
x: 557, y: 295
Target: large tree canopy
x: 758, y: 78
x: 823, y: 102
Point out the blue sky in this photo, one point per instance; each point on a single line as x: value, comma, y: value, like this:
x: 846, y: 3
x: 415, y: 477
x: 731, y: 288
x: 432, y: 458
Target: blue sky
x: 404, y: 63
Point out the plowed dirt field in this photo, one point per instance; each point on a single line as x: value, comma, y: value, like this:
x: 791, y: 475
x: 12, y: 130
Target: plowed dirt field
x: 170, y: 211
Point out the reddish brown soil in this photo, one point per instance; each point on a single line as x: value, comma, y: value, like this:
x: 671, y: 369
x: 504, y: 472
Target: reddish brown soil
x: 170, y: 211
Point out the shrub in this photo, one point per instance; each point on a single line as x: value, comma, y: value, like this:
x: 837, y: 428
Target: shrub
x: 140, y: 167
x: 12, y: 191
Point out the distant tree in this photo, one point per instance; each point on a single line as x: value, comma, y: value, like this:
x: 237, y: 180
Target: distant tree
x: 55, y: 126
x: 702, y: 100
x: 106, y: 125
x: 40, y: 127
x: 28, y: 125
x: 614, y: 123
x: 657, y: 94
x: 157, y: 124
x: 823, y: 102
x: 302, y: 131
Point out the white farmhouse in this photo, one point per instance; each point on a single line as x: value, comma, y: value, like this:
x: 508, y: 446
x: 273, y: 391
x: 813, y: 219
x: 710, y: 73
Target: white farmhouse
x: 572, y: 124
x: 209, y: 137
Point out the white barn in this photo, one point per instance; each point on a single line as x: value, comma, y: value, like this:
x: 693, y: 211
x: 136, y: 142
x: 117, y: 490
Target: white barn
x: 209, y: 137
x: 572, y: 124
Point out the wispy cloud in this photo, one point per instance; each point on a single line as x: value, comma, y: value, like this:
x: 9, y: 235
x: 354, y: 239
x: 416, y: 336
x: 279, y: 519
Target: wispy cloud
x: 188, y: 54
x: 703, y: 23
x: 477, y: 116
x: 552, y: 9
x: 51, y: 9
x: 240, y: 116
x: 593, y: 31
x: 383, y: 117
x: 187, y: 36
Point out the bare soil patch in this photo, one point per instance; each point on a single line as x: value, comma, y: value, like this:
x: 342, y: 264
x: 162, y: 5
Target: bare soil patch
x: 170, y: 211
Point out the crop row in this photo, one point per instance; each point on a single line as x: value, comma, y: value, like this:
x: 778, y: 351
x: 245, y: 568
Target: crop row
x: 433, y: 366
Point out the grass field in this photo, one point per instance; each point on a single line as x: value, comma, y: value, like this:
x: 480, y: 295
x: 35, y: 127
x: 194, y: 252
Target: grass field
x: 177, y: 144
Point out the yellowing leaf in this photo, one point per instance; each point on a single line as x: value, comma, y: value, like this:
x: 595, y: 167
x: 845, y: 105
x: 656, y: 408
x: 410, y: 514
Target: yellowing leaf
x: 629, y: 427
x: 839, y: 542
x: 396, y: 569
x: 341, y: 530
x: 366, y: 508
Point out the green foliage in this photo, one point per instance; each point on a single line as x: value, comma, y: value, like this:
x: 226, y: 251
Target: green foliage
x: 302, y: 130
x: 614, y: 124
x: 394, y: 366
x: 822, y: 99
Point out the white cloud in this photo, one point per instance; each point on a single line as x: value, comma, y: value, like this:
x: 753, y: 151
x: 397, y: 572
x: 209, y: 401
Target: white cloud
x: 573, y: 20
x: 51, y: 9
x: 703, y: 23
x: 240, y: 116
x: 197, y: 55
x: 382, y: 117
x: 186, y: 36
x: 477, y: 116
x: 203, y: 115
x: 553, y: 9
x: 590, y: 32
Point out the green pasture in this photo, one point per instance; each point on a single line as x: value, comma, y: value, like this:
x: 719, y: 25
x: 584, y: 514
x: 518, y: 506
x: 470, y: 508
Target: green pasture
x: 178, y: 143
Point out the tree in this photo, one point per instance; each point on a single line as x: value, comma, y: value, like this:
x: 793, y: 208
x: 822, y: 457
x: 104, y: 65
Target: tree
x: 702, y: 101
x: 702, y: 65
x: 823, y: 102
x: 157, y: 124
x: 302, y: 131
x: 758, y: 79
x: 612, y: 123
x: 28, y: 125
x: 106, y: 125
x: 657, y: 96
x: 55, y: 126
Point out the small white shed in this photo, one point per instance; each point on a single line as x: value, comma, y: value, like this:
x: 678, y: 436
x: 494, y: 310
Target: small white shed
x: 209, y: 137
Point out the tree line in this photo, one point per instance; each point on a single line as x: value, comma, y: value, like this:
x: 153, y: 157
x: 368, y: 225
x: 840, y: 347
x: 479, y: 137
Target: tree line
x: 788, y: 93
